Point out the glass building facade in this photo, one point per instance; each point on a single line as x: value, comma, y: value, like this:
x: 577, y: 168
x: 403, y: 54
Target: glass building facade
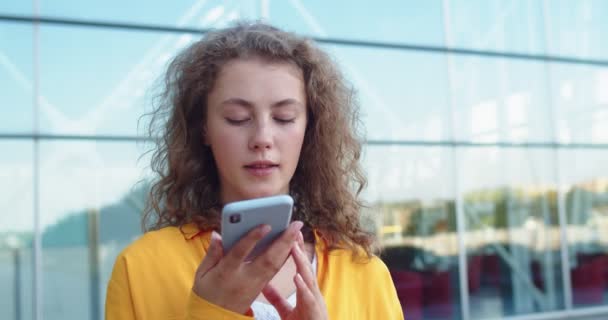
x: 486, y: 152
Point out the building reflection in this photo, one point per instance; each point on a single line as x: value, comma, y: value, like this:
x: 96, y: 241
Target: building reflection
x: 513, y: 251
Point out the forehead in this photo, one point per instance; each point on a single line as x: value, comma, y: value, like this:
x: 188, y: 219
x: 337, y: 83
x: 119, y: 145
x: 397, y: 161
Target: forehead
x: 255, y: 75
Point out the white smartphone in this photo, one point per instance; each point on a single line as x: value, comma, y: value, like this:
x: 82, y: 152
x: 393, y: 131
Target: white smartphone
x: 238, y: 218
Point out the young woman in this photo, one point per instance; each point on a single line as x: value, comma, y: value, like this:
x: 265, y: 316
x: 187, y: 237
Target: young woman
x: 252, y: 111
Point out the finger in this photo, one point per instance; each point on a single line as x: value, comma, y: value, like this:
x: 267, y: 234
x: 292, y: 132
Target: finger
x: 269, y: 262
x: 274, y: 297
x: 213, y: 256
x: 243, y: 247
x: 304, y: 296
x: 305, y: 269
x: 301, y: 240
x: 303, y: 266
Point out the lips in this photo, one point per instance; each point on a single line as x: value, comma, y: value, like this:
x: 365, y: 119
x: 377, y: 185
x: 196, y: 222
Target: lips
x: 261, y: 168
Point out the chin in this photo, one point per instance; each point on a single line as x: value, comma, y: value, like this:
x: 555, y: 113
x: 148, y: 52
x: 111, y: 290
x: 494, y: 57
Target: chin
x: 260, y: 193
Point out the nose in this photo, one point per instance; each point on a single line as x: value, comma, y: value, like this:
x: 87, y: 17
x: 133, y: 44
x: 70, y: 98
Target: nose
x: 261, y: 138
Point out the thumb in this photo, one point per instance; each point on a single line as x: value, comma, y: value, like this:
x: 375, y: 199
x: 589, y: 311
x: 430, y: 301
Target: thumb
x: 214, y: 255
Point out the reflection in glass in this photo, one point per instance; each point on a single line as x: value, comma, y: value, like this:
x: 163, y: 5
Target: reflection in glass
x: 411, y: 196
x: 513, y: 235
x: 90, y: 210
x: 312, y: 17
x: 403, y: 95
x: 108, y: 82
x: 16, y: 230
x: 499, y: 100
x: 16, y: 78
x: 16, y: 7
x: 384, y: 20
x: 577, y: 28
x: 581, y: 103
x: 586, y: 202
x: 504, y: 26
x: 179, y: 13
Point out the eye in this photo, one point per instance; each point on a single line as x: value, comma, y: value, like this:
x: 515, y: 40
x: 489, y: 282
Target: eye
x: 237, y: 121
x: 284, y: 120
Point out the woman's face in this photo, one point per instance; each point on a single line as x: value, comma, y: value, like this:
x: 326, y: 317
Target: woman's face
x: 256, y: 120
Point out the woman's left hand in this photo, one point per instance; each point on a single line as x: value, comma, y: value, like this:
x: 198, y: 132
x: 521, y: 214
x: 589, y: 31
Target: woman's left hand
x: 310, y: 303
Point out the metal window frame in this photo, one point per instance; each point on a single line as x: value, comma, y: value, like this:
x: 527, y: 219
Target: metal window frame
x: 48, y: 20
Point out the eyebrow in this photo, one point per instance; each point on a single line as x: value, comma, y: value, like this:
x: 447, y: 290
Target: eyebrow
x: 250, y: 105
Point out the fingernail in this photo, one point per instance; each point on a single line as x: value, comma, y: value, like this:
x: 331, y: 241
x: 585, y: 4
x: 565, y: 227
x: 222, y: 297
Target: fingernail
x: 215, y: 235
x: 297, y: 225
x: 265, y: 228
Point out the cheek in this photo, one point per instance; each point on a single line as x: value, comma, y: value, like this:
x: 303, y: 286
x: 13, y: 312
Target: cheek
x: 225, y: 146
x: 294, y: 143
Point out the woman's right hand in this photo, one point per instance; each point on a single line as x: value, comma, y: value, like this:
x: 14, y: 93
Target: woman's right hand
x: 233, y: 284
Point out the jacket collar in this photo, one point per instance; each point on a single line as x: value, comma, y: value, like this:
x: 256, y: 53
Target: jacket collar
x: 190, y: 231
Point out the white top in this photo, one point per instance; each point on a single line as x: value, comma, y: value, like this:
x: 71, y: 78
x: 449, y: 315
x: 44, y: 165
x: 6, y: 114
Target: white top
x: 265, y: 311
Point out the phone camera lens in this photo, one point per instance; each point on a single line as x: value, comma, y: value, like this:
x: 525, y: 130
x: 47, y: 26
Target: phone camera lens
x: 235, y: 218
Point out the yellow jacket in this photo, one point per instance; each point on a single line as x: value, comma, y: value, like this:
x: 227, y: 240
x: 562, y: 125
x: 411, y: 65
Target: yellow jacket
x: 153, y: 278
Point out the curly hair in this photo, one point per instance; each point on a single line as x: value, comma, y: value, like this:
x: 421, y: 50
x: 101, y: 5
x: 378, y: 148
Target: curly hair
x: 328, y: 178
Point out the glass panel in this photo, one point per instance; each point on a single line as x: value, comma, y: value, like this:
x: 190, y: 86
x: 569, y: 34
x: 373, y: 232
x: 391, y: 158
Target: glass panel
x: 577, y: 28
x: 394, y: 21
x: 500, y: 100
x: 16, y: 7
x: 585, y: 173
x: 403, y: 95
x: 513, y: 235
x: 411, y: 197
x: 16, y: 230
x: 88, y: 210
x: 413, y: 22
x: 506, y: 26
x: 16, y: 78
x: 99, y: 81
x: 175, y: 13
x: 581, y: 103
